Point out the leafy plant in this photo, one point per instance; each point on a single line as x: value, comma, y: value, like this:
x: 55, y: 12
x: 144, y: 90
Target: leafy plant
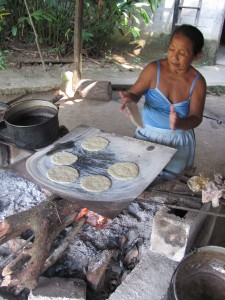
x: 54, y: 22
x: 103, y: 19
x: 3, y: 15
x: 3, y: 61
x: 137, y: 60
x: 217, y: 90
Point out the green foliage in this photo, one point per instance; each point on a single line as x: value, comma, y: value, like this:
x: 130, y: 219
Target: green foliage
x: 3, y: 15
x: 54, y: 22
x: 3, y: 60
x: 154, y: 4
x: 137, y: 60
x: 123, y: 15
x: 217, y: 90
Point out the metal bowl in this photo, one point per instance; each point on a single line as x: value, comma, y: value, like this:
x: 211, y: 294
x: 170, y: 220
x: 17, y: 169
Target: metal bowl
x: 200, y: 275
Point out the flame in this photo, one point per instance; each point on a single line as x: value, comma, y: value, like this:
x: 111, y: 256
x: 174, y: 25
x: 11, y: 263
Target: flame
x: 82, y: 213
x: 93, y: 219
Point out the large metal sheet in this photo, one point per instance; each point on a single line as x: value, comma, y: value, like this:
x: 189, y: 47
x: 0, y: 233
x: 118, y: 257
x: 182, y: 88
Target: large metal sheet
x: 150, y: 157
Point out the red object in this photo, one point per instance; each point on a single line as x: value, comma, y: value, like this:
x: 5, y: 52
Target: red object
x: 94, y: 219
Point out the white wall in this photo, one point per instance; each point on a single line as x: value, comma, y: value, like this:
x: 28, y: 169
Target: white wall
x: 154, y: 37
x: 163, y: 17
x: 211, y: 17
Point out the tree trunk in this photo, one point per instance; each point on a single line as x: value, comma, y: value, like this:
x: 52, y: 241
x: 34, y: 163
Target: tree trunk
x: 78, y: 19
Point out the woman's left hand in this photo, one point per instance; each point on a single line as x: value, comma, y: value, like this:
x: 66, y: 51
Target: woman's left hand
x: 174, y: 118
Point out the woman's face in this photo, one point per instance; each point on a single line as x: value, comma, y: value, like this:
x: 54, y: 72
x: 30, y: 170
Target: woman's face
x: 180, y: 53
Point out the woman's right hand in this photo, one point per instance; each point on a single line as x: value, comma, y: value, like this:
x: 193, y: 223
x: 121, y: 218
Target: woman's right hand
x: 126, y: 97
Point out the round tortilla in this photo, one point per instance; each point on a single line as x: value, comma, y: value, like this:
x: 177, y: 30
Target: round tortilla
x: 63, y: 158
x: 95, y: 143
x: 62, y: 174
x: 96, y: 183
x: 123, y: 170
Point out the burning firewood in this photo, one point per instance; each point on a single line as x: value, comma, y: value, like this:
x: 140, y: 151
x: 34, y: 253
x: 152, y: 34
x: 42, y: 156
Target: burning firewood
x: 46, y: 220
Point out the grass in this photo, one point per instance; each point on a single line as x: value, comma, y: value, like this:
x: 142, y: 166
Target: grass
x: 217, y: 90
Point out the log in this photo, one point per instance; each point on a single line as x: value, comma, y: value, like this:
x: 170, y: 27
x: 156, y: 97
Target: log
x: 46, y: 220
x: 93, y: 90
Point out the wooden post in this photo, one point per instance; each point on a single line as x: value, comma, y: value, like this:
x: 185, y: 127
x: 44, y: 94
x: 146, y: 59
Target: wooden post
x: 78, y: 18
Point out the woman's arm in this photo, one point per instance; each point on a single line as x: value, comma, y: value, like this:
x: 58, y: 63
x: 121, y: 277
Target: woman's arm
x: 197, y: 104
x: 138, y: 89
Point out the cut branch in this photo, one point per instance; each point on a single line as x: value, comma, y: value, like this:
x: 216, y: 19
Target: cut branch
x: 46, y: 220
x: 35, y: 33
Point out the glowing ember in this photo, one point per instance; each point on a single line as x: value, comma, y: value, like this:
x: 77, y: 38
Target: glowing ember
x: 82, y: 213
x: 94, y: 219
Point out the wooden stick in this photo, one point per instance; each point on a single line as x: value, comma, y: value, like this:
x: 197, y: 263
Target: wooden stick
x: 35, y: 33
x: 13, y: 255
x: 179, y: 207
x: 59, y: 251
x: 154, y: 192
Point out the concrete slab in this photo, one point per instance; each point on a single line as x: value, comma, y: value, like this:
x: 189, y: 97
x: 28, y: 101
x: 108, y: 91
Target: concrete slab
x: 209, y: 158
x: 149, y: 280
x: 214, y: 75
x: 98, y: 114
x: 30, y: 79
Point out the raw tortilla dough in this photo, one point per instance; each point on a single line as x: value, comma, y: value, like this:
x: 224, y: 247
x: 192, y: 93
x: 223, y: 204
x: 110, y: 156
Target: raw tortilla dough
x: 95, y: 143
x: 96, y: 183
x: 63, y: 174
x: 63, y: 158
x: 134, y: 114
x: 123, y: 170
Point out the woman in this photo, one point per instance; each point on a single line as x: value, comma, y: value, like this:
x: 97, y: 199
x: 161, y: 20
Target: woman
x: 174, y: 97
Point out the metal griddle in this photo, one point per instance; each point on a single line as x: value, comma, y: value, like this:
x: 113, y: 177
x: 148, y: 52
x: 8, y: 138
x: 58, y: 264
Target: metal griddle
x: 150, y: 157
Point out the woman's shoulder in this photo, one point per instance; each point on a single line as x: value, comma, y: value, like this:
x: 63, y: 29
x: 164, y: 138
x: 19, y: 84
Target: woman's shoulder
x: 152, y: 66
x: 197, y: 74
x: 155, y: 63
x: 198, y: 81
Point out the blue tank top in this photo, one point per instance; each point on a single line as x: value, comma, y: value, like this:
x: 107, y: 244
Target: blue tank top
x: 156, y: 108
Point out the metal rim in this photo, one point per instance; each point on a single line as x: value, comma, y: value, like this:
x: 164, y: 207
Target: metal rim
x: 31, y: 103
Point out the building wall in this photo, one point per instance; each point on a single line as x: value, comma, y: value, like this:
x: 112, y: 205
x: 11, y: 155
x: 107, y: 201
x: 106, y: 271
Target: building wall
x: 154, y: 38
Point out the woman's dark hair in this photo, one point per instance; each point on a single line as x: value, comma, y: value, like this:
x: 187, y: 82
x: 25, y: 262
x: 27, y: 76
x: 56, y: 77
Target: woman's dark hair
x: 194, y: 35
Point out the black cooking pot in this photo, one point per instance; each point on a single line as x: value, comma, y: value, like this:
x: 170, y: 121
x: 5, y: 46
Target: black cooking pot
x: 32, y: 124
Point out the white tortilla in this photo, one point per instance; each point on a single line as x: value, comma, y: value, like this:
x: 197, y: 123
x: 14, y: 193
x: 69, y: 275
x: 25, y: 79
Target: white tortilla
x: 63, y: 174
x: 96, y: 183
x: 123, y: 170
x: 134, y: 114
x: 63, y: 158
x: 95, y: 143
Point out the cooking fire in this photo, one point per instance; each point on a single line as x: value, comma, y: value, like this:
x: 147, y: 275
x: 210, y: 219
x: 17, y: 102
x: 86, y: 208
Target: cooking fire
x: 93, y: 219
x: 102, y: 253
